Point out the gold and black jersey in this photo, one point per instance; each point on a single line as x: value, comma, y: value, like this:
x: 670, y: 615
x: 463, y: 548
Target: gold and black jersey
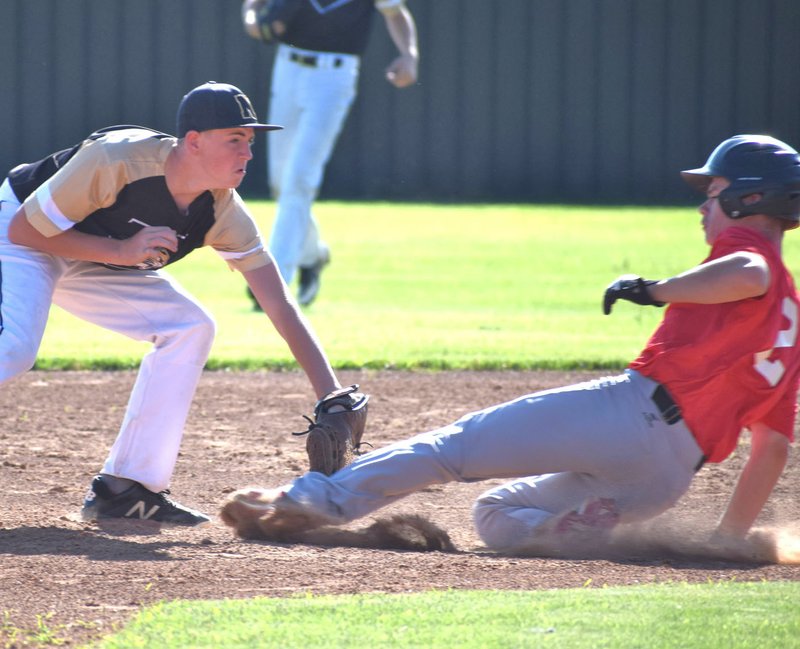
x: 112, y: 184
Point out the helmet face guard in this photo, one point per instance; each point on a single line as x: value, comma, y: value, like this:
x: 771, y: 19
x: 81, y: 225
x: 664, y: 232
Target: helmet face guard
x: 764, y: 175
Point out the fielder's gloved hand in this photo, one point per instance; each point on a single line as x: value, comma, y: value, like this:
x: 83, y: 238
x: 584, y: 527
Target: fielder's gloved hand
x: 334, y: 436
x: 632, y: 288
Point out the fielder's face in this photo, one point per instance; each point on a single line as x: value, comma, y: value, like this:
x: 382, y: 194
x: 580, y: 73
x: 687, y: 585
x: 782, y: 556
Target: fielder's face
x: 714, y: 221
x: 224, y: 154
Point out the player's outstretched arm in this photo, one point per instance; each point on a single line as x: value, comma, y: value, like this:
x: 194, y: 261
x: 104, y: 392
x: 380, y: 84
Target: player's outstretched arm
x: 272, y: 294
x: 737, y: 276
x: 768, y: 455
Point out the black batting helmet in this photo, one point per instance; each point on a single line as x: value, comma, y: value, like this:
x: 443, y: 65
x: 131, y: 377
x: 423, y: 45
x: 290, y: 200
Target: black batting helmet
x: 754, y: 165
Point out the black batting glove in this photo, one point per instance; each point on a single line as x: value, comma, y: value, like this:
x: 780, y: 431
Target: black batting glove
x: 631, y: 288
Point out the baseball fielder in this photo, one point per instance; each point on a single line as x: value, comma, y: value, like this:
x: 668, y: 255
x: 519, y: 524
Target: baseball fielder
x: 314, y: 83
x: 623, y: 448
x: 89, y: 228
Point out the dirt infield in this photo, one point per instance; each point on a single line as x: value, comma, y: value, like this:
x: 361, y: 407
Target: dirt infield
x: 81, y: 580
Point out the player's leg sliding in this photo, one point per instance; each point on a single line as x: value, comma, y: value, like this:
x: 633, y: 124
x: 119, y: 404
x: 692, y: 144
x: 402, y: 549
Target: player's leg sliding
x: 315, y: 499
x: 594, y: 516
x: 269, y: 514
x: 515, y: 439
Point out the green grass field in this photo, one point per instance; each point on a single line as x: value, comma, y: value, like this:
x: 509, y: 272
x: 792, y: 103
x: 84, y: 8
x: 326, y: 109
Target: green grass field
x: 514, y: 286
x: 713, y: 616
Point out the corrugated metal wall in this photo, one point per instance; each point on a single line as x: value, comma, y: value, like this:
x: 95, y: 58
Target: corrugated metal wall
x: 524, y: 100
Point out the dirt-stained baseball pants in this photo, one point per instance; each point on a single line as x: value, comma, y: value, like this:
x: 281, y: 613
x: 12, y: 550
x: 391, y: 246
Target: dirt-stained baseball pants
x: 603, y: 438
x: 143, y: 305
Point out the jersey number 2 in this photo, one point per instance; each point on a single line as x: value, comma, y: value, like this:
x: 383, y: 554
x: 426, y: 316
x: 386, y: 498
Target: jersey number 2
x: 773, y: 370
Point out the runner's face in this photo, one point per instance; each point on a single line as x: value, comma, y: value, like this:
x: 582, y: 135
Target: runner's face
x: 714, y: 221
x: 225, y: 154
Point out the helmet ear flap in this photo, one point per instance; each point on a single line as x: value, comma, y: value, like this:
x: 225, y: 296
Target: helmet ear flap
x: 730, y: 205
x: 745, y: 199
x: 738, y: 205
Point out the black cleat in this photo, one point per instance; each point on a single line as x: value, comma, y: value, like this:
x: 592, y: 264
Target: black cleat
x: 309, y: 282
x: 136, y: 503
x: 256, y: 305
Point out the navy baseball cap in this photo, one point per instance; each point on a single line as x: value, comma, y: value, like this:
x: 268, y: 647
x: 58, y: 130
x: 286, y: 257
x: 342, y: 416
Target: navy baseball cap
x: 217, y: 105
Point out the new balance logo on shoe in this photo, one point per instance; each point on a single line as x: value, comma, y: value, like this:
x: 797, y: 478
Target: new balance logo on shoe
x: 138, y: 511
x: 136, y: 503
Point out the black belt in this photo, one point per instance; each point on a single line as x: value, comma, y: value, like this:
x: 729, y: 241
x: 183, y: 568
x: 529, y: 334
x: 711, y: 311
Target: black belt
x: 311, y: 61
x: 671, y: 413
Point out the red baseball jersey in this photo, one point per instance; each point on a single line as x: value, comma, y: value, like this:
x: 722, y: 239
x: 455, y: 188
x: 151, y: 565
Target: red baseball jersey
x: 733, y: 364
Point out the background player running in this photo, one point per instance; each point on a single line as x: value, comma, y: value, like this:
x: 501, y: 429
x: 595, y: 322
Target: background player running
x: 314, y: 83
x: 623, y: 448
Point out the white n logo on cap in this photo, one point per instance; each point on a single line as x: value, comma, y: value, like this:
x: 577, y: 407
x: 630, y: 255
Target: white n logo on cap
x: 245, y: 108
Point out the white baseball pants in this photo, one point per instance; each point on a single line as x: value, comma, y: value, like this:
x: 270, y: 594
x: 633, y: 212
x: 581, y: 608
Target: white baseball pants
x: 142, y: 305
x: 603, y: 438
x: 311, y: 102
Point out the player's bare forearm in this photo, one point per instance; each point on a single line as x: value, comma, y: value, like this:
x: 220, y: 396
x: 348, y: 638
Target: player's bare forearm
x: 737, y: 276
x: 274, y: 298
x: 72, y: 244
x: 402, y: 72
x: 768, y: 456
x: 307, y: 350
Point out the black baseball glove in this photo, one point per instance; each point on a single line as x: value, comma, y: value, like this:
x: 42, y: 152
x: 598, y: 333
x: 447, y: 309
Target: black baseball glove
x: 270, y: 17
x: 262, y: 20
